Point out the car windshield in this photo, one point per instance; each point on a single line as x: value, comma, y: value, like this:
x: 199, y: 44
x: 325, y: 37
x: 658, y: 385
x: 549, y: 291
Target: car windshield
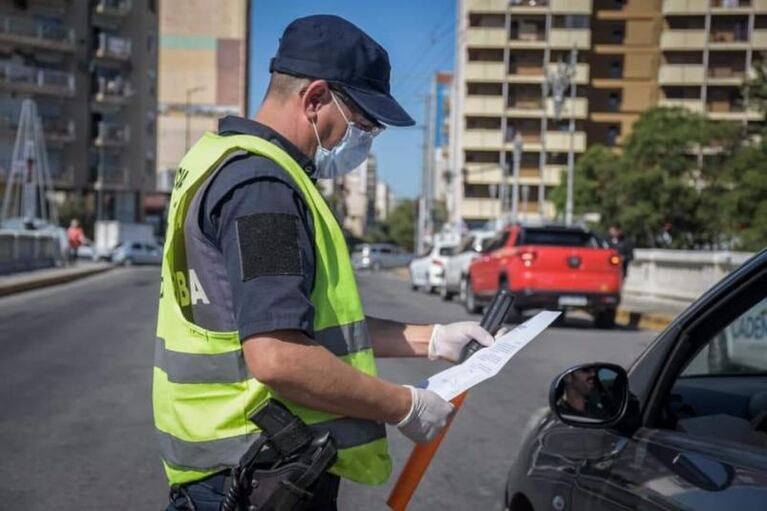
x: 561, y: 238
x: 446, y: 251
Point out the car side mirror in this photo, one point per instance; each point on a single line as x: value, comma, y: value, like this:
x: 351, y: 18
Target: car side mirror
x: 590, y: 395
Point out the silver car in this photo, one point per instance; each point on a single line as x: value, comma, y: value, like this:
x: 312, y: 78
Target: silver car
x: 379, y: 256
x: 136, y: 252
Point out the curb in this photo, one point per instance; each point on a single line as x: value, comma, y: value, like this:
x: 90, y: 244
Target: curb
x: 644, y: 321
x: 53, y: 280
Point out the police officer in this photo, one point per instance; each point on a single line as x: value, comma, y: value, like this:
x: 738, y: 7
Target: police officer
x: 258, y: 298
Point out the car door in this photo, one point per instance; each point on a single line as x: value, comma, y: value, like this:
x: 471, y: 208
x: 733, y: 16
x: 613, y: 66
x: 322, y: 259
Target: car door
x: 702, y: 439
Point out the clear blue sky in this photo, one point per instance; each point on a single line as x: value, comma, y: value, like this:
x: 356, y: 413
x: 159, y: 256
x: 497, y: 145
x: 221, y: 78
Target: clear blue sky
x: 419, y: 36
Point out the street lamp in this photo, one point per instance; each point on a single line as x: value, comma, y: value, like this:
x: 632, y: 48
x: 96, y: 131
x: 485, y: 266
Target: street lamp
x: 188, y: 112
x: 559, y: 81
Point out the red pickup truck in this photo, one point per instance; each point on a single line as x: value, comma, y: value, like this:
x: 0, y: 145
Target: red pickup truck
x: 551, y: 267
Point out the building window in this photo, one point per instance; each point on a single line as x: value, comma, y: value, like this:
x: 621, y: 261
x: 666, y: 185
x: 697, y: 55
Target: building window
x: 617, y: 35
x: 614, y: 102
x: 616, y: 70
x: 613, y: 132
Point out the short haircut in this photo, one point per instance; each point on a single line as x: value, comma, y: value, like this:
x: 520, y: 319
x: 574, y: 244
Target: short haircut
x: 282, y: 86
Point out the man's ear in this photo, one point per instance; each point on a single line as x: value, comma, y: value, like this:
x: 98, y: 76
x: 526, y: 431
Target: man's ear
x: 314, y: 97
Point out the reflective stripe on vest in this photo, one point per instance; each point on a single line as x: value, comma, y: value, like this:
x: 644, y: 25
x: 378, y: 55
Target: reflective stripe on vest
x: 203, y: 392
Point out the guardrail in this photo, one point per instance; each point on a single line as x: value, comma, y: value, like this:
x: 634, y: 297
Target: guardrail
x: 679, y: 275
x: 28, y: 250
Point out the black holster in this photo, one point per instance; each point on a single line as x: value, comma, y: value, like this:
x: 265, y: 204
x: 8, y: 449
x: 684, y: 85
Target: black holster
x: 280, y: 470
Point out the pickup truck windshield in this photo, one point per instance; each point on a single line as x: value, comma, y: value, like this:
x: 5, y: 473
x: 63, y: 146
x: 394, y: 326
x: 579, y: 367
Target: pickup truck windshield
x: 561, y: 238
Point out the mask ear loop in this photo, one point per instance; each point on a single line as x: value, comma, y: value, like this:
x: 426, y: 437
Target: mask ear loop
x: 338, y: 105
x: 317, y: 135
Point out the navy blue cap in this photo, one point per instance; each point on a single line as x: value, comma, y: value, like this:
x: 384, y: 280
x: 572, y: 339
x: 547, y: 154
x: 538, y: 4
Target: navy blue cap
x: 325, y: 47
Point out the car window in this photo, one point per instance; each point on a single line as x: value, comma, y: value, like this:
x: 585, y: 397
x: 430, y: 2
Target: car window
x: 721, y: 393
x: 136, y: 246
x: 497, y: 242
x: 561, y: 238
x: 385, y: 250
x: 446, y: 251
x: 467, y: 245
x: 739, y: 348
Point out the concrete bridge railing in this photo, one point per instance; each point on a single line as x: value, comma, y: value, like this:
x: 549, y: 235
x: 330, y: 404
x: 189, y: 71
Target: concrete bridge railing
x: 678, y: 275
x: 28, y: 250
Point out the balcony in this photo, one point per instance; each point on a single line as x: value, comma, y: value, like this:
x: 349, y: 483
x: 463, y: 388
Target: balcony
x: 110, y: 176
x: 36, y: 80
x: 692, y: 104
x: 685, y: 7
x: 681, y: 74
x: 62, y: 176
x: 534, y: 74
x: 28, y: 32
x: 726, y: 110
x: 528, y: 6
x: 484, y: 71
x: 533, y: 108
x: 483, y: 105
x: 111, y: 135
x: 571, y: 6
x: 487, y: 37
x: 759, y: 38
x: 557, y: 141
x: 728, y: 38
x: 481, y: 139
x: 566, y: 38
x: 58, y: 131
x: 113, y: 47
x: 730, y: 6
x: 725, y: 75
x: 112, y: 91
x: 527, y: 38
x: 683, y: 40
x: 489, y: 6
x: 475, y: 207
x: 116, y: 8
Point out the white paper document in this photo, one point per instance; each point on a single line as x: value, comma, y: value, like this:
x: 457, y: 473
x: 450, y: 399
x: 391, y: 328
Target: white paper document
x: 488, y: 362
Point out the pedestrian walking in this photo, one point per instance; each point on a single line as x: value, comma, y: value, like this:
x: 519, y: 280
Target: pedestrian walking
x: 619, y: 242
x: 75, y: 239
x: 259, y: 301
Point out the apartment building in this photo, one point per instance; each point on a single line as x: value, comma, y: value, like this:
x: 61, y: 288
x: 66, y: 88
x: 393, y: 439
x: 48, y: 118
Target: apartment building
x: 203, y: 64
x: 91, y: 68
x: 631, y: 55
x: 707, y: 51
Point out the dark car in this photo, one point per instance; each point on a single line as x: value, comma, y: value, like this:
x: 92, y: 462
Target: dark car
x: 685, y: 428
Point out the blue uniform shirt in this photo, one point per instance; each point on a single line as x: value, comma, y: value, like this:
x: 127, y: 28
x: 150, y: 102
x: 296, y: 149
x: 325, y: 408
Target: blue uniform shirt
x: 251, y: 242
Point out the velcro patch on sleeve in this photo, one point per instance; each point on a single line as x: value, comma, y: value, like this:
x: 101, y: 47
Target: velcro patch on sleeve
x: 268, y: 244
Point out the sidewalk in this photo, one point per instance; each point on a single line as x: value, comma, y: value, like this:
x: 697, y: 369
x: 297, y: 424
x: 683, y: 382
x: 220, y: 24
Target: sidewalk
x: 25, y: 281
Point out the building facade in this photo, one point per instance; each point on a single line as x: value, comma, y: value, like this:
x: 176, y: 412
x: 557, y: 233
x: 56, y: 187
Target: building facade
x: 203, y: 66
x: 91, y: 68
x: 631, y: 55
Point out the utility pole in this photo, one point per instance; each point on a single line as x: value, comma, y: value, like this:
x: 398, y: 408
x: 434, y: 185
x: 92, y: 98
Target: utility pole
x: 188, y: 113
x: 544, y: 119
x: 559, y: 81
x: 515, y: 183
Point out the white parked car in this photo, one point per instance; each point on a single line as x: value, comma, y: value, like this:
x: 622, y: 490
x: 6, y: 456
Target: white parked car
x: 428, y: 271
x: 457, y: 266
x: 378, y: 256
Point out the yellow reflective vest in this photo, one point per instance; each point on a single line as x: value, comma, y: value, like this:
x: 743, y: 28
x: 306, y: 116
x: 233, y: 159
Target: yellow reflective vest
x: 203, y: 394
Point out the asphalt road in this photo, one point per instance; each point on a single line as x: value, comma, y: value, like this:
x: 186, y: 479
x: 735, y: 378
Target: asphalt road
x: 75, y: 394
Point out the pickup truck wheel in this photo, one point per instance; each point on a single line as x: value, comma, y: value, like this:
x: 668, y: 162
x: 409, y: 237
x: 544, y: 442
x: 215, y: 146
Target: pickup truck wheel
x: 471, y: 300
x: 445, y: 294
x: 605, y: 319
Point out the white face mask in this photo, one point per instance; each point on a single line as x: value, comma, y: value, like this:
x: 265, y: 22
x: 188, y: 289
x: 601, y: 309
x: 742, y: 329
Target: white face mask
x: 347, y: 155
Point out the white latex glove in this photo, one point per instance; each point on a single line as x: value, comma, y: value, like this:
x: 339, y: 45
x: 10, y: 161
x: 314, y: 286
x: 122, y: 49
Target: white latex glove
x: 428, y: 414
x: 447, y: 341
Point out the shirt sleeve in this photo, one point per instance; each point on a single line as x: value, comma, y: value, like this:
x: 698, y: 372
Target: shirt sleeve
x: 264, y: 231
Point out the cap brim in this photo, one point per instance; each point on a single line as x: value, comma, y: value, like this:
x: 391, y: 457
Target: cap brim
x: 381, y: 107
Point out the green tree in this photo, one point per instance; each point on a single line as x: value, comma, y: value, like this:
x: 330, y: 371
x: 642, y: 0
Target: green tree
x: 595, y: 171
x: 669, y: 180
x: 745, y: 203
x: 401, y: 223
